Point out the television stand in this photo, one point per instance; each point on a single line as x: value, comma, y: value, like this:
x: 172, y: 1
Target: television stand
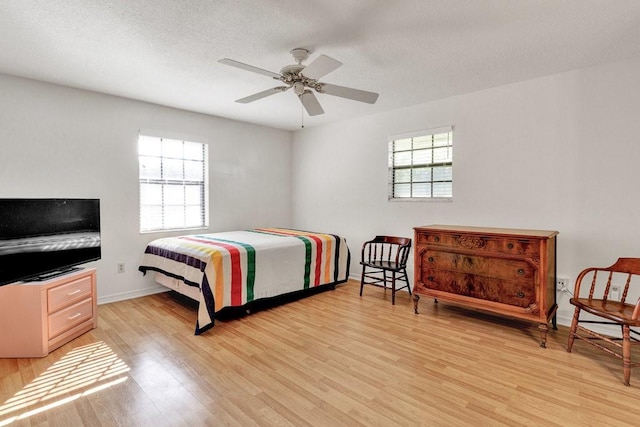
x: 40, y: 316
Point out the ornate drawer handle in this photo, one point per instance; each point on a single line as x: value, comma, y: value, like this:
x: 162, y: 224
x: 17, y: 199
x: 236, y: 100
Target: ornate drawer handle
x: 430, y: 259
x: 520, y: 272
x: 510, y: 246
x: 520, y: 294
x: 437, y: 239
x: 430, y: 278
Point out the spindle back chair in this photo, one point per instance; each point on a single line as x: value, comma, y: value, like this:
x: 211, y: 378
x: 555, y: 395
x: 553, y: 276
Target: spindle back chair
x: 607, y: 299
x: 382, y: 255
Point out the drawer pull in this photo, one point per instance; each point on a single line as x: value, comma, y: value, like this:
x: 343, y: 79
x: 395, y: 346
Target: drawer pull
x: 430, y: 259
x: 520, y: 294
x: 437, y: 239
x: 520, y: 272
x: 75, y: 316
x: 77, y: 291
x: 510, y: 246
x: 430, y: 278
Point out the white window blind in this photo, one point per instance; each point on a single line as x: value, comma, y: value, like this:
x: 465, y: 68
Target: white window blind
x: 421, y: 165
x: 173, y: 184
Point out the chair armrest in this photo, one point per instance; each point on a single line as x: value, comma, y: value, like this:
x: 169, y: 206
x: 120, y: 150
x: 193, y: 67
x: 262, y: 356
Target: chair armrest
x: 576, y: 290
x: 636, y: 310
x: 365, y: 245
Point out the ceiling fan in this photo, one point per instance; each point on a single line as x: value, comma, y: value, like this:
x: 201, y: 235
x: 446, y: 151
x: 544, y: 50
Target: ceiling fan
x: 303, y: 78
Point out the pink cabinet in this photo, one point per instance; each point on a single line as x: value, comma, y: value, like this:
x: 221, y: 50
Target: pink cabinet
x: 38, y: 317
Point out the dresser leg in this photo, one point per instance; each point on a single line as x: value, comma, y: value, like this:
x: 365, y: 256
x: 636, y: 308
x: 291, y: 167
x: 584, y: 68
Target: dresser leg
x: 416, y: 298
x: 544, y: 329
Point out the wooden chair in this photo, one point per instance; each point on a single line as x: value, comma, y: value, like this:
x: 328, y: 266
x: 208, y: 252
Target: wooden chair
x: 382, y: 255
x: 607, y: 285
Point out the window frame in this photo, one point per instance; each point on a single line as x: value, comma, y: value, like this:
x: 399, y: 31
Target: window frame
x: 164, y: 181
x: 411, y: 166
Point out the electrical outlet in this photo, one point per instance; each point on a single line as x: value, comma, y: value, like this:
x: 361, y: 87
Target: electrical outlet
x: 614, y: 293
x: 562, y: 284
x: 121, y: 267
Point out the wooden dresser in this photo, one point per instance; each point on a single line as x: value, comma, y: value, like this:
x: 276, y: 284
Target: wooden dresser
x: 38, y: 317
x: 510, y: 272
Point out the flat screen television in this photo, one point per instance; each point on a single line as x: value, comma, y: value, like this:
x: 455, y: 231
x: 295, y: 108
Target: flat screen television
x: 41, y: 238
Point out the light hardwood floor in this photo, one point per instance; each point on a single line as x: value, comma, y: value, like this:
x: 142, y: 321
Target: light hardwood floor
x: 328, y: 360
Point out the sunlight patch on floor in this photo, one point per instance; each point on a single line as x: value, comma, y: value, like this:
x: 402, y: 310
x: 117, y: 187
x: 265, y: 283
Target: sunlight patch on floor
x: 84, y: 370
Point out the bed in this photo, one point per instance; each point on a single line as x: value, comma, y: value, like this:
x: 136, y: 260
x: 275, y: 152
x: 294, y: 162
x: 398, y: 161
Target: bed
x: 238, y: 268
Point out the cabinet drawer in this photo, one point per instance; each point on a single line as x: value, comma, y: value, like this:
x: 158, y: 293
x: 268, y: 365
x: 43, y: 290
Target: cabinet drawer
x: 515, y: 293
x: 69, y: 317
x: 507, y: 245
x: 452, y: 240
x: 510, y: 269
x: 69, y: 293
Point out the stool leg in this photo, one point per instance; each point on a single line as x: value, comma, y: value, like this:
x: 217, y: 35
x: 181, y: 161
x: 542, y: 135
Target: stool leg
x: 362, y: 279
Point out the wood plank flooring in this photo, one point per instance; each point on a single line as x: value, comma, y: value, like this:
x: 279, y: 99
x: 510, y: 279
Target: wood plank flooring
x: 332, y: 359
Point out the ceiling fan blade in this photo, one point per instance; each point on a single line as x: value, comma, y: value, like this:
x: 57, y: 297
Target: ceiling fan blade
x: 310, y: 103
x: 262, y: 94
x: 350, y: 93
x: 321, y: 66
x: 247, y: 67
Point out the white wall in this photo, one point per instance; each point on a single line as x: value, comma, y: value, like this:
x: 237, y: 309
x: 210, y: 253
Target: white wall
x: 62, y: 142
x: 555, y: 153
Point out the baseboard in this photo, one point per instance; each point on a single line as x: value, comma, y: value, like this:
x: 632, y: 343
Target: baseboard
x: 564, y: 321
x: 132, y: 294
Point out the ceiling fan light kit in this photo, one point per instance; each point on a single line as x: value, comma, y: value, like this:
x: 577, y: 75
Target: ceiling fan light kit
x: 302, y: 79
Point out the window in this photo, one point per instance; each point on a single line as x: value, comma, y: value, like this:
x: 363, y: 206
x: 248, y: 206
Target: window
x: 421, y: 165
x: 173, y: 184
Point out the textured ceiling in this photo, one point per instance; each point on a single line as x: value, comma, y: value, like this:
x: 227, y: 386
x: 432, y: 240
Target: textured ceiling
x: 409, y: 51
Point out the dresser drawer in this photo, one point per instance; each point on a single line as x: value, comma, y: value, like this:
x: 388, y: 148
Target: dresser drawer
x: 472, y: 242
x: 503, y: 268
x: 69, y: 293
x: 69, y: 317
x: 515, y: 293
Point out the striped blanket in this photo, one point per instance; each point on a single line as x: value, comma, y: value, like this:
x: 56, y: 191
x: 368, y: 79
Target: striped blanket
x: 237, y: 267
